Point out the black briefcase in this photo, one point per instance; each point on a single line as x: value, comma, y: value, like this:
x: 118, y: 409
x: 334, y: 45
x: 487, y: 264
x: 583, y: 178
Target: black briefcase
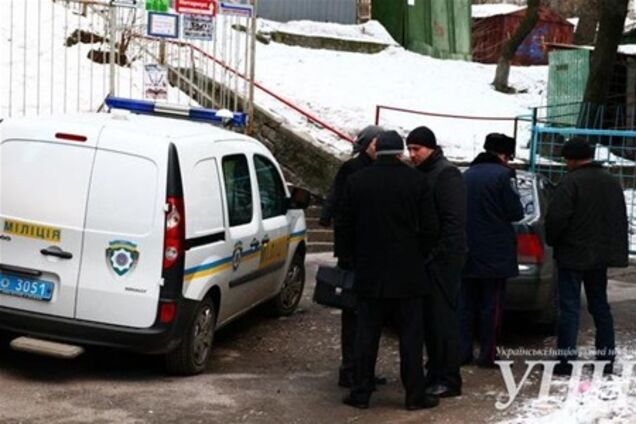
x: 334, y: 287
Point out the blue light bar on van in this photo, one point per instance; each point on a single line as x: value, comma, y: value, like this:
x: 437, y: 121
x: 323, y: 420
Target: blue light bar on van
x: 223, y: 116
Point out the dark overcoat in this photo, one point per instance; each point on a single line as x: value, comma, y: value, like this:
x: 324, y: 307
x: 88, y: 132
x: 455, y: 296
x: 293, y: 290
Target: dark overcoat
x: 587, y: 220
x: 334, y: 197
x: 449, y: 194
x: 389, y: 226
x: 493, y: 204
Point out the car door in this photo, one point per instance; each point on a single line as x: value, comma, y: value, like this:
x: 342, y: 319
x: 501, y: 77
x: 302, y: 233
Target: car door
x: 274, y: 223
x: 244, y: 229
x: 43, y: 194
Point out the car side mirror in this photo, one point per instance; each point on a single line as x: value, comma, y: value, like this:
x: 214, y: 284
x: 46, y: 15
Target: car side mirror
x: 300, y: 198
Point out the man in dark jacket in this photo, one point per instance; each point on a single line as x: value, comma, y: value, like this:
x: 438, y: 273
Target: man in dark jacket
x: 445, y: 269
x: 389, y: 227
x: 587, y: 226
x: 493, y: 205
x: 364, y: 149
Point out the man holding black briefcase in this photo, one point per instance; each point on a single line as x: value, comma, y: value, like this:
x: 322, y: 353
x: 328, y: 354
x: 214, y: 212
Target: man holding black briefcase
x: 388, y: 227
x: 364, y: 149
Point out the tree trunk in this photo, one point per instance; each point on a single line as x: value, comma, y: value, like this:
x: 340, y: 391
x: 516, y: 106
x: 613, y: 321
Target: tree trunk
x: 509, y: 50
x: 588, y: 21
x: 610, y: 32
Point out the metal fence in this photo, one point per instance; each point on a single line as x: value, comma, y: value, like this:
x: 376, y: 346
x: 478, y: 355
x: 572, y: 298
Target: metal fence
x: 68, y: 55
x: 615, y: 149
x: 338, y: 11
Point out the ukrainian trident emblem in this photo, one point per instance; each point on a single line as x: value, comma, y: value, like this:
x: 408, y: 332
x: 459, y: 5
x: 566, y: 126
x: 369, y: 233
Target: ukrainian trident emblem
x: 122, y: 256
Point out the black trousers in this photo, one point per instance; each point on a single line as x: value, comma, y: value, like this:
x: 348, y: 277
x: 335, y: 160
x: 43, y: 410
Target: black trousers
x: 372, y: 314
x: 481, y: 298
x: 441, y: 324
x: 348, y: 326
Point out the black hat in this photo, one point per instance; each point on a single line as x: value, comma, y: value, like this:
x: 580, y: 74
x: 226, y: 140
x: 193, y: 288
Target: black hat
x: 389, y: 143
x: 365, y: 137
x: 577, y: 148
x: 500, y: 143
x: 422, y: 136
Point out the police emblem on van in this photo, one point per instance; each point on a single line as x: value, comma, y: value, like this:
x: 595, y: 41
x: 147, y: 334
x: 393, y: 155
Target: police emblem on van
x: 122, y: 256
x: 236, y: 255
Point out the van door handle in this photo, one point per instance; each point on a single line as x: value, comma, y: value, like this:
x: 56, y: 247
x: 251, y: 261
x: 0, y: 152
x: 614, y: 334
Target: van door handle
x: 57, y: 252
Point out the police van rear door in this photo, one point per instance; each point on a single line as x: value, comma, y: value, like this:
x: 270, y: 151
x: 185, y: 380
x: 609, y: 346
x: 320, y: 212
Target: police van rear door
x: 121, y: 276
x: 45, y: 170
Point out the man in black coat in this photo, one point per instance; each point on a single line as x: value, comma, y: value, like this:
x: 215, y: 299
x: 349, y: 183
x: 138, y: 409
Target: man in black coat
x: 493, y: 205
x: 587, y: 226
x: 364, y: 149
x: 441, y: 320
x: 389, y: 227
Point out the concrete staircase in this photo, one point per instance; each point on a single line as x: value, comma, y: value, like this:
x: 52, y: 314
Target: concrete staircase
x: 319, y: 239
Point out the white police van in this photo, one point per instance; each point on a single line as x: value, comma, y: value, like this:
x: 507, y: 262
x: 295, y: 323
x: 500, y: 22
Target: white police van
x: 142, y: 232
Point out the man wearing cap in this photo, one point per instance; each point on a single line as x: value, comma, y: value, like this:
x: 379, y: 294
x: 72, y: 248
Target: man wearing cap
x: 364, y: 149
x: 389, y: 227
x: 441, y: 319
x: 586, y: 224
x: 493, y: 205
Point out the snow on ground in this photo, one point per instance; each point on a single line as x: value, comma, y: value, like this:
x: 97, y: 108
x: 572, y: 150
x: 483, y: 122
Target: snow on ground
x: 609, y: 400
x: 371, y: 31
x: 344, y: 89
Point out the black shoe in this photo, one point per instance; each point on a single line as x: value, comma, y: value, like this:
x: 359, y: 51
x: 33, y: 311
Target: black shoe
x: 356, y: 403
x: 563, y: 369
x: 426, y: 402
x: 442, y: 391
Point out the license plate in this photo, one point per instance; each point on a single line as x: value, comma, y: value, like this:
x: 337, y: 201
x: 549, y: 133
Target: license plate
x: 26, y: 287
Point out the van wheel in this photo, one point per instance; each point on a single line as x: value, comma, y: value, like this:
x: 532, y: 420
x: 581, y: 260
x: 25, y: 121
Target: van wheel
x: 286, y: 301
x: 193, y: 354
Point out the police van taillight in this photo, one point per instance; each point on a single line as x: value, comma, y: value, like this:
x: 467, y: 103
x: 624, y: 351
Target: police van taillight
x: 174, y: 233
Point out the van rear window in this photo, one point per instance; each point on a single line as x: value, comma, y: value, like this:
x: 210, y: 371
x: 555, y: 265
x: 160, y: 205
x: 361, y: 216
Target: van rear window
x: 123, y: 194
x: 45, y: 182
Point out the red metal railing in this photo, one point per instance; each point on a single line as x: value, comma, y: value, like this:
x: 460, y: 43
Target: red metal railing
x: 378, y: 108
x: 265, y: 90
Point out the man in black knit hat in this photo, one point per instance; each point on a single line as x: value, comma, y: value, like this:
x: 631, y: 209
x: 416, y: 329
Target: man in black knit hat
x: 441, y: 319
x: 389, y: 227
x: 587, y: 226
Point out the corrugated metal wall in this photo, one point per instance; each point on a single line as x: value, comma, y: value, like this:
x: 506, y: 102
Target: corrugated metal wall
x: 340, y: 11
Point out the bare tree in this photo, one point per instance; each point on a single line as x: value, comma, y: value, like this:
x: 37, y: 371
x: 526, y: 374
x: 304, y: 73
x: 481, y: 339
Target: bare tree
x: 588, y: 21
x: 525, y: 28
x: 612, y: 22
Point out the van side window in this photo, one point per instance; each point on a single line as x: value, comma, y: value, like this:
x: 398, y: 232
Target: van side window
x: 270, y: 188
x: 238, y: 189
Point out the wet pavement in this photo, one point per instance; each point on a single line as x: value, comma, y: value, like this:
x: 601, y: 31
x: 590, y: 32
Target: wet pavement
x: 263, y: 370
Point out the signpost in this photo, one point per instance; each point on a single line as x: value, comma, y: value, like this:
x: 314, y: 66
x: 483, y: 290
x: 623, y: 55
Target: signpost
x: 199, y: 7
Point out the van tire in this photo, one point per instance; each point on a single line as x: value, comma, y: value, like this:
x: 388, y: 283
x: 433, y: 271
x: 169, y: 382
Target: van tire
x: 193, y: 354
x: 287, y: 300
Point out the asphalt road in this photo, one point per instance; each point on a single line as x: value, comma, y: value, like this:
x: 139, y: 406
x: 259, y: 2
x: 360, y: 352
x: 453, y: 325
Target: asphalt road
x: 263, y: 370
